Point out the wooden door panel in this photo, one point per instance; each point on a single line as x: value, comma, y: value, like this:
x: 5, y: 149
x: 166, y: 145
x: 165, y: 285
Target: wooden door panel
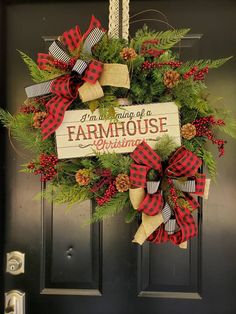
x: 71, y: 252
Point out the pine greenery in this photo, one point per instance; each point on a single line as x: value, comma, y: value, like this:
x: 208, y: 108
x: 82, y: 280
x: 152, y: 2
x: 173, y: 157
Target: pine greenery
x: 167, y: 39
x: 165, y: 146
x: 111, y: 208
x: 37, y: 74
x: 108, y: 50
x: 21, y: 129
x: 211, y: 64
x: 209, y: 161
x: 65, y: 194
x: 115, y: 162
x: 131, y: 215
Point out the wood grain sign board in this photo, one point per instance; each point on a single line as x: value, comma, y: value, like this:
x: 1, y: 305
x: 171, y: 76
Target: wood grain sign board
x: 83, y: 133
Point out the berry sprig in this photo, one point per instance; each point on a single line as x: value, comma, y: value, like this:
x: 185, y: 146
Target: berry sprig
x: 173, y: 193
x: 204, y: 129
x: 190, y: 73
x: 200, y: 75
x: 147, y: 48
x: 147, y: 65
x: 27, y: 109
x: 46, y: 167
x: 109, y: 193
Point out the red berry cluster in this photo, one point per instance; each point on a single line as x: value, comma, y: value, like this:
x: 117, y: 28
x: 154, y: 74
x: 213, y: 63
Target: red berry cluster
x: 147, y: 65
x: 45, y: 167
x: 63, y: 65
x: 153, y: 52
x: 198, y: 75
x: 41, y: 100
x: 203, y: 128
x: 173, y: 194
x: 190, y: 73
x: 109, y: 193
x: 28, y: 109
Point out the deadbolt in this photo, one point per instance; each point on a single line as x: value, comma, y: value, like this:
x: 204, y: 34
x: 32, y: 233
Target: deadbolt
x: 15, y: 263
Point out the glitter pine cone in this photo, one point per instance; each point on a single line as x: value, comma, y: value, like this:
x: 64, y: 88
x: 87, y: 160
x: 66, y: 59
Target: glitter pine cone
x: 128, y: 54
x: 171, y: 78
x: 188, y: 131
x: 122, y: 182
x: 83, y: 177
x: 38, y: 118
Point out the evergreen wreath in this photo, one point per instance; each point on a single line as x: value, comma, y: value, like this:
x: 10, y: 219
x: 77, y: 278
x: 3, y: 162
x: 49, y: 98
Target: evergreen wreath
x: 156, y: 75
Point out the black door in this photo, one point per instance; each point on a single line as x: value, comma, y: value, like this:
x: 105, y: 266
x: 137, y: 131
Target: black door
x: 74, y: 269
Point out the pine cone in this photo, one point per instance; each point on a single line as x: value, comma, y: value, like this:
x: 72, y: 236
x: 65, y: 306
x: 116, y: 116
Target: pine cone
x: 38, y: 118
x: 83, y: 176
x: 188, y: 131
x: 122, y: 182
x: 171, y: 78
x: 128, y: 54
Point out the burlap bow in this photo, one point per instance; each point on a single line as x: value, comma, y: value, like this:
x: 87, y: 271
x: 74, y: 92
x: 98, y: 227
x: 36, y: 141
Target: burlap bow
x: 163, y: 220
x: 84, y: 78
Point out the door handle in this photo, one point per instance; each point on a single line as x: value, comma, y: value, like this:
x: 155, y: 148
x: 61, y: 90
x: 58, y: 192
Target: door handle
x: 14, y: 302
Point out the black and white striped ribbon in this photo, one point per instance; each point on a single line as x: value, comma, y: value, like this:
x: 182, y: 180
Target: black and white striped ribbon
x: 39, y: 89
x: 59, y: 51
x: 166, y: 212
x: 93, y: 38
x: 169, y: 220
x: 171, y: 226
x: 185, y: 186
x: 80, y: 66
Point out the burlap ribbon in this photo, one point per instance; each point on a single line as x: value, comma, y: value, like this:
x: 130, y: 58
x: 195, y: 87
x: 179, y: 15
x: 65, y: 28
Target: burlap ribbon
x: 162, y: 221
x: 84, y: 78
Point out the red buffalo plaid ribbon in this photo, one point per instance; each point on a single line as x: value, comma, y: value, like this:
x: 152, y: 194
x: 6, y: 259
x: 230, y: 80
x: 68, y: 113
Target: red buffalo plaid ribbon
x: 65, y: 88
x: 182, y: 164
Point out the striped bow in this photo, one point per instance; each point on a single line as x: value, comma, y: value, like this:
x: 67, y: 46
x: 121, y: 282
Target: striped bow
x: 180, y: 178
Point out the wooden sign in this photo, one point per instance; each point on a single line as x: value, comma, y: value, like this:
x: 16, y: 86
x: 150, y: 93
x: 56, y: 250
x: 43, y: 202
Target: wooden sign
x: 83, y: 133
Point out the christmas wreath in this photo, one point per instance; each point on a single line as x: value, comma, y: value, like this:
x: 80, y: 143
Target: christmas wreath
x: 157, y: 179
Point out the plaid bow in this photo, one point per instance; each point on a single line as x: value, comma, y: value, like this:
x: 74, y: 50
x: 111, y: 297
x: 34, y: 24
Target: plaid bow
x: 65, y: 88
x: 179, y: 225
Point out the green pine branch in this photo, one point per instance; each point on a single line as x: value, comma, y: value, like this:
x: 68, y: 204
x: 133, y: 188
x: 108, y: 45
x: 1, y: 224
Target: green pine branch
x: 21, y: 129
x: 211, y: 64
x: 111, y: 208
x: 165, y: 147
x: 115, y: 162
x: 131, y: 215
x: 65, y: 194
x: 171, y: 37
x: 230, y: 122
x: 36, y: 73
x: 209, y: 161
x: 108, y: 50
x: 167, y: 39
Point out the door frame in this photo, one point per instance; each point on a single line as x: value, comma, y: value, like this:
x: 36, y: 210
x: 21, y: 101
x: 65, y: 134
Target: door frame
x: 2, y: 154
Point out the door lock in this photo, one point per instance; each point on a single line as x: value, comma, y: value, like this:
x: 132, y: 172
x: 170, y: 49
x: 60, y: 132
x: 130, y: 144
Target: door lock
x: 14, y: 302
x: 15, y: 263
